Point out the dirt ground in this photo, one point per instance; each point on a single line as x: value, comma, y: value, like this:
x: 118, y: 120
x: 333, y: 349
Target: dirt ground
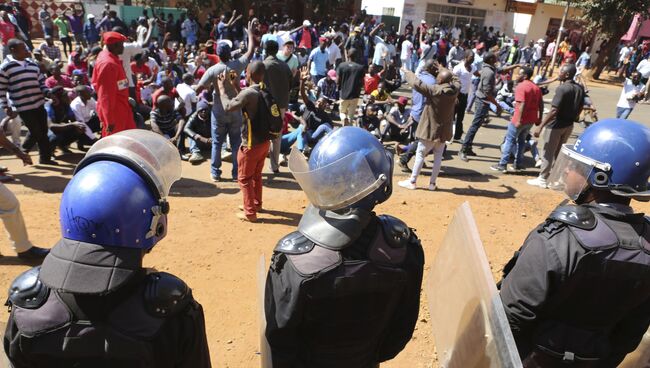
x: 218, y: 256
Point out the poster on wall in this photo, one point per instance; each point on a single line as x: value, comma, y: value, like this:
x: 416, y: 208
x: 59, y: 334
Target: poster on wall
x: 461, y: 2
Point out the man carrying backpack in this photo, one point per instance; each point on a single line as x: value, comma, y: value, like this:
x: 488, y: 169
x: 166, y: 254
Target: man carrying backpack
x: 262, y: 122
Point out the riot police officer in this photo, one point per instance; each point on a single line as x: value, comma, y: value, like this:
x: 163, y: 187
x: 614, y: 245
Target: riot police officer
x: 344, y: 289
x: 577, y: 293
x: 91, y: 303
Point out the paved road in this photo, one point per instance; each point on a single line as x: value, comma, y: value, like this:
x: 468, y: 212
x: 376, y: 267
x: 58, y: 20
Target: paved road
x: 488, y: 139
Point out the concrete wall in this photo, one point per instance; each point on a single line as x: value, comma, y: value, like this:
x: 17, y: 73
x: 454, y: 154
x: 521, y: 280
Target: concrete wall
x: 495, y: 16
x: 543, y: 15
x: 376, y: 7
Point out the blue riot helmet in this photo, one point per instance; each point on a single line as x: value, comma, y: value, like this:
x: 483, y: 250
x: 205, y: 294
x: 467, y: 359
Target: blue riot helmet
x: 349, y: 168
x: 117, y: 196
x: 612, y: 155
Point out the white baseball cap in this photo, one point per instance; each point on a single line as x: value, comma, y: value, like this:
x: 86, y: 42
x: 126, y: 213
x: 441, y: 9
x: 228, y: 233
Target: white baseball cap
x: 91, y: 16
x: 306, y: 23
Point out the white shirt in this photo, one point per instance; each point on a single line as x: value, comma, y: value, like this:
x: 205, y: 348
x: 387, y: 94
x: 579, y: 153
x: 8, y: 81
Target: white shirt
x: 188, y: 95
x: 130, y: 50
x: 624, y: 53
x: 537, y: 52
x: 153, y: 65
x: 407, y: 50
x: 644, y: 68
x: 455, y: 33
x: 628, y: 92
x: 465, y: 77
x: 82, y: 112
x: 141, y: 31
x: 333, y: 53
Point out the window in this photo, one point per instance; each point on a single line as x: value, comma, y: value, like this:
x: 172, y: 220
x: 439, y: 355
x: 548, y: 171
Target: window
x: 451, y: 16
x: 388, y: 11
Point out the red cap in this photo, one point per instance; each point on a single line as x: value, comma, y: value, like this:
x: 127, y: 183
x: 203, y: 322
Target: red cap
x: 110, y: 38
x: 403, y: 101
x: 322, y: 39
x: 480, y: 46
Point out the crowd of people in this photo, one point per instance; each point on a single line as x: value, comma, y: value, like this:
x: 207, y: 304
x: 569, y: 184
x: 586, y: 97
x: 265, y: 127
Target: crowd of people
x: 323, y: 99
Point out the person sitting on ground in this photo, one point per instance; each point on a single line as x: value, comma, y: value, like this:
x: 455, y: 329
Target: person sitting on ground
x: 50, y: 49
x: 57, y: 78
x: 317, y: 122
x: 505, y: 97
x: 327, y: 88
x: 168, y: 72
x: 370, y: 120
x: 167, y: 89
x: 372, y: 79
x: 165, y: 121
x: 64, y: 129
x: 78, y: 62
x: 139, y: 66
x: 392, y: 77
x: 84, y: 108
x: 394, y: 126
x: 381, y: 96
x: 43, y: 62
x: 198, y: 130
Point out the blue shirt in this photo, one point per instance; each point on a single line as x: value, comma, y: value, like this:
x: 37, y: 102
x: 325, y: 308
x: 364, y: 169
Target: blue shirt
x: 418, y: 99
x: 584, y: 60
x: 318, y: 61
x: 90, y: 32
x: 478, y: 63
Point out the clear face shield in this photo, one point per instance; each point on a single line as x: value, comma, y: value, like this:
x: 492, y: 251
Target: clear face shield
x: 338, y: 184
x: 572, y: 170
x: 153, y: 155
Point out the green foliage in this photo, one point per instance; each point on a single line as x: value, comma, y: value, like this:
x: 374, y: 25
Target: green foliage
x: 611, y: 16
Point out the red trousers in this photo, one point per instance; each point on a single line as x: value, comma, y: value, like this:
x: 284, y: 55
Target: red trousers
x: 250, y: 163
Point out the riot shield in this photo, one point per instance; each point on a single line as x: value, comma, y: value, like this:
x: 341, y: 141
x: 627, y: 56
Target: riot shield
x: 469, y: 324
x: 639, y: 358
x: 265, y: 349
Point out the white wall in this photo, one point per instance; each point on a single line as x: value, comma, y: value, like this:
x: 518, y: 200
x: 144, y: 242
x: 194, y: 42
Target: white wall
x: 495, y: 16
x: 376, y: 7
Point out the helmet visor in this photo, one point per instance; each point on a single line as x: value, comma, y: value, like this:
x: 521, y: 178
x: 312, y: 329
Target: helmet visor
x: 571, y: 172
x: 151, y: 152
x: 336, y: 185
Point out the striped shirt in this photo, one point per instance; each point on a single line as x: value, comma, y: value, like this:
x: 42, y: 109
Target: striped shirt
x: 23, y: 83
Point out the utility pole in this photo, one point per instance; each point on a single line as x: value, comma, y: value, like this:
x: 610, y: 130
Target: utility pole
x: 559, y: 36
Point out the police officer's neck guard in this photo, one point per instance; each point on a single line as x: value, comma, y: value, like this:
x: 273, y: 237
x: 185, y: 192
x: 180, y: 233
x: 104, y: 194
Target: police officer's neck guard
x: 333, y: 230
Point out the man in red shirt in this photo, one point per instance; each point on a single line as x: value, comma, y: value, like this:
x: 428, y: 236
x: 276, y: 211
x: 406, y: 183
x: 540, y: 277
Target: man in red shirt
x: 372, y: 79
x: 109, y: 80
x: 529, y: 108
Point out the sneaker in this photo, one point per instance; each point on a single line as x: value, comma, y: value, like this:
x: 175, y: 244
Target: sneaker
x: 538, y: 164
x: 48, y: 162
x: 518, y: 168
x: 284, y: 161
x: 185, y: 157
x: 215, y: 178
x: 404, y: 167
x: 463, y: 156
x: 470, y: 153
x: 195, y: 158
x: 432, y: 187
x: 407, y: 184
x: 539, y: 182
x: 499, y: 168
x: 34, y: 253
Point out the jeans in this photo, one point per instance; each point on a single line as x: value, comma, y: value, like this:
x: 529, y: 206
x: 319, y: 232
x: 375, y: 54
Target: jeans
x: 274, y: 152
x: 251, y: 164
x: 472, y: 94
x: 224, y: 126
x: 312, y: 137
x: 198, y: 147
x: 424, y: 146
x: 64, y: 139
x: 289, y: 139
x: 460, y: 115
x: 482, y: 110
x: 623, y: 112
x: 36, y: 122
x: 507, y: 108
x: 515, y: 137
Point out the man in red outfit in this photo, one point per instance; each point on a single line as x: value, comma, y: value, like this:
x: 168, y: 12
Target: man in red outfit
x: 109, y: 80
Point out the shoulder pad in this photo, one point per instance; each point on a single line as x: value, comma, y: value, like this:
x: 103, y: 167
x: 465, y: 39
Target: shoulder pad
x: 28, y: 291
x: 396, y: 232
x: 295, y: 243
x: 165, y: 294
x: 576, y: 216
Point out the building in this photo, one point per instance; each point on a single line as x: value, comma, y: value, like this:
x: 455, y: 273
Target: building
x: 527, y: 19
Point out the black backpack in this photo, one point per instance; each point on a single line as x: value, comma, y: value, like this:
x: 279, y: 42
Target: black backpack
x: 268, y: 120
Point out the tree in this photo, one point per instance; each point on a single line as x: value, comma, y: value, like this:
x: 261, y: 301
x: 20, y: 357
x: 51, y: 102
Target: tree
x: 610, y: 19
